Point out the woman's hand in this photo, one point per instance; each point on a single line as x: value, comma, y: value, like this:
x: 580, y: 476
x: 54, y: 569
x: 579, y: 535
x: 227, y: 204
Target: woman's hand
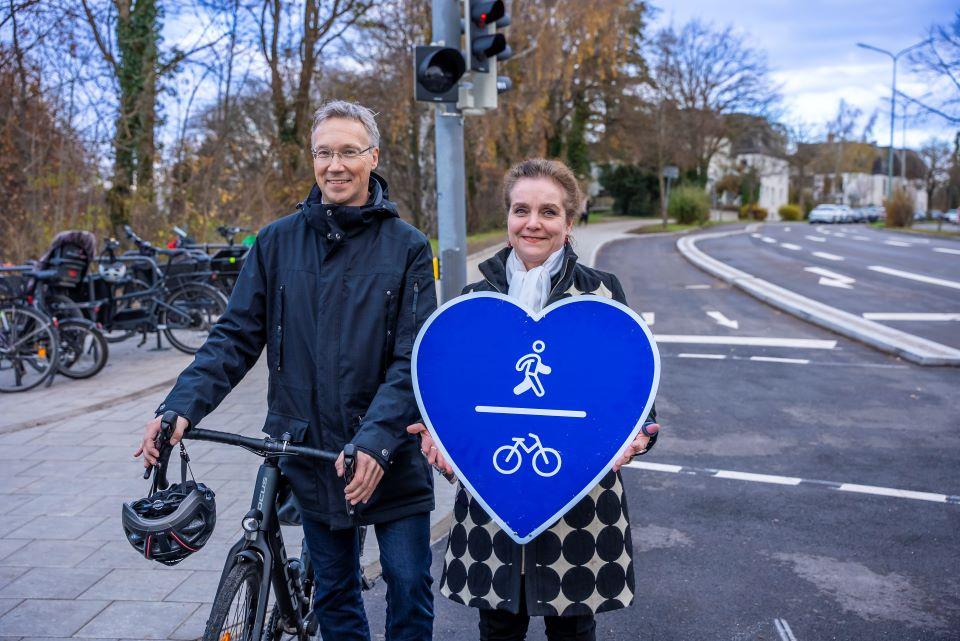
x: 430, y: 450
x: 638, y: 446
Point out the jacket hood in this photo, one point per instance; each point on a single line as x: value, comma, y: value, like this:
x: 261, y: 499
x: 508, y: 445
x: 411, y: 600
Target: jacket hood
x: 494, y: 269
x: 329, y: 218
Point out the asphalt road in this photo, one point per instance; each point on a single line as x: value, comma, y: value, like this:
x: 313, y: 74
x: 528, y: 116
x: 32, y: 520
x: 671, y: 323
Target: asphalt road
x: 720, y: 554
x: 872, y: 273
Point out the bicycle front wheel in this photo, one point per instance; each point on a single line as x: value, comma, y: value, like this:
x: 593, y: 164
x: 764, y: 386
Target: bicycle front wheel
x: 235, y: 606
x: 28, y: 349
x: 189, y: 315
x: 83, y: 349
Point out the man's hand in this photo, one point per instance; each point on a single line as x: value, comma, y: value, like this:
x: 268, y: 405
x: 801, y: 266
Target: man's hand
x: 638, y: 445
x: 147, y: 446
x: 366, y: 477
x: 429, y: 449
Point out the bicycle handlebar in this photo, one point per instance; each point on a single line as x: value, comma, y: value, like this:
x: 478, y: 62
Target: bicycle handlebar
x: 262, y: 446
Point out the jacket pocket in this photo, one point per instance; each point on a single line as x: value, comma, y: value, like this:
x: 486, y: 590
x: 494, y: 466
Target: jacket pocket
x: 277, y: 425
x: 278, y: 330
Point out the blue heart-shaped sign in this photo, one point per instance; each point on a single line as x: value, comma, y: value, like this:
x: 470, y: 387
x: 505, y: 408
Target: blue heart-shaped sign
x: 531, y: 410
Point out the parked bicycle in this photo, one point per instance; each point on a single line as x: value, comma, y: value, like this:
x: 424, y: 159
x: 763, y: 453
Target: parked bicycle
x: 34, y: 344
x: 258, y: 563
x: 227, y: 258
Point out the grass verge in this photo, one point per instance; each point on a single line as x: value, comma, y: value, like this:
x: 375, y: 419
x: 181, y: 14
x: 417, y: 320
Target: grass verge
x: 945, y: 233
x: 677, y: 228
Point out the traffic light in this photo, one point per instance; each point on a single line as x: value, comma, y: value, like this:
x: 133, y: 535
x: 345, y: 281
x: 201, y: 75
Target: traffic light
x: 436, y: 71
x: 484, y: 47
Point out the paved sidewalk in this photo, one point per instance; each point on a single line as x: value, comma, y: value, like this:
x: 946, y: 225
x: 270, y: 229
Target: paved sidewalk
x: 66, y: 571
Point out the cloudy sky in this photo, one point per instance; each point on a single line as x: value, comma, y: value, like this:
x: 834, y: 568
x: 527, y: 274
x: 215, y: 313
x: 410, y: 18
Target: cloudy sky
x: 812, y: 52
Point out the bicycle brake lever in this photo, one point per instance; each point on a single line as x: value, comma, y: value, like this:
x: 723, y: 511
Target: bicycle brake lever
x: 162, y: 443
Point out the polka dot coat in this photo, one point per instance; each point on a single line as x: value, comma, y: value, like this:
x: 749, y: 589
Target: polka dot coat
x: 583, y: 564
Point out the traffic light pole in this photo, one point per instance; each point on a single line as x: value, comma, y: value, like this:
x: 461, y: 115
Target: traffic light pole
x: 450, y: 167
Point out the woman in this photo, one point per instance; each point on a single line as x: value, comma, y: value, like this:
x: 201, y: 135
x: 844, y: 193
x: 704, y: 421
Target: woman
x: 583, y: 564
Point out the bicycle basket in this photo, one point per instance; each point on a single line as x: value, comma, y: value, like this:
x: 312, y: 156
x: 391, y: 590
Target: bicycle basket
x: 14, y: 287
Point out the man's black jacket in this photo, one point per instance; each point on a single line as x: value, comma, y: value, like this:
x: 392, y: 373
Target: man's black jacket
x: 337, y: 295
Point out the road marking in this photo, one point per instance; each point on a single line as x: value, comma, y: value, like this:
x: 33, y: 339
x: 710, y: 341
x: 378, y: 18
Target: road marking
x: 817, y: 239
x: 910, y: 316
x: 861, y: 238
x: 757, y: 478
x: 773, y: 359
x: 723, y: 320
x: 696, y: 286
x: 896, y: 243
x: 889, y: 491
x: 791, y: 246
x: 714, y: 357
x: 756, y: 235
x: 827, y: 256
x: 840, y: 234
x: 797, y: 482
x: 786, y: 229
x: 529, y: 411
x: 756, y: 341
x: 918, y: 277
x: 783, y: 629
x: 648, y: 317
x: 831, y: 279
x: 767, y: 239
x: 947, y: 250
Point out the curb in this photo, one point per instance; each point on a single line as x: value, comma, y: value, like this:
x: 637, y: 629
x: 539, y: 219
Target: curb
x: 886, y: 339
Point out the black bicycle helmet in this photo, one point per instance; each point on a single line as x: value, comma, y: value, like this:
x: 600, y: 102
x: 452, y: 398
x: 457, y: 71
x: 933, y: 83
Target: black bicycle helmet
x: 171, y: 524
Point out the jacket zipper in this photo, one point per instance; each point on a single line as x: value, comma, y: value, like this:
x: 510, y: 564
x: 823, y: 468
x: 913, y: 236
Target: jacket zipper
x: 280, y: 331
x: 416, y: 295
x: 562, y: 276
x: 386, y: 341
x: 492, y: 285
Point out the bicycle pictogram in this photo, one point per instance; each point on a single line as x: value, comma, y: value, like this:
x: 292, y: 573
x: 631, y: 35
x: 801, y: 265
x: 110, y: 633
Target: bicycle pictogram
x: 546, y: 460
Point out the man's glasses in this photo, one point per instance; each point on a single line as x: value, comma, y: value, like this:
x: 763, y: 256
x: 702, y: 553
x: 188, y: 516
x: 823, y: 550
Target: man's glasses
x: 347, y: 155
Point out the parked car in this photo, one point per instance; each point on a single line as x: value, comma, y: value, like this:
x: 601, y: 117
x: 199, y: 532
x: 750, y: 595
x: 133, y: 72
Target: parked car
x: 935, y: 214
x: 858, y: 214
x: 951, y: 216
x: 919, y: 215
x: 826, y: 214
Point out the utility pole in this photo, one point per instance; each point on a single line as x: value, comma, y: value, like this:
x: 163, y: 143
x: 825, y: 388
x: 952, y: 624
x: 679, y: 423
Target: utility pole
x: 893, y: 101
x: 451, y: 191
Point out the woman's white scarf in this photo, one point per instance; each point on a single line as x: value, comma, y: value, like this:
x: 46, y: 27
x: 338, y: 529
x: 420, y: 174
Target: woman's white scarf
x: 532, y: 288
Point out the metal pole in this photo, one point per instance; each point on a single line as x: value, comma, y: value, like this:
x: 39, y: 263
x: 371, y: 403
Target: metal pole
x: 451, y: 193
x: 893, y: 111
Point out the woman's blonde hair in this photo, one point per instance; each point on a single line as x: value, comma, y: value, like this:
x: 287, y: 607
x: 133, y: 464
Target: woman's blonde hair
x: 543, y: 168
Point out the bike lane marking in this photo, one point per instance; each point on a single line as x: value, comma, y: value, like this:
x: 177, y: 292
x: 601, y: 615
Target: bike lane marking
x: 773, y: 479
x: 917, y: 277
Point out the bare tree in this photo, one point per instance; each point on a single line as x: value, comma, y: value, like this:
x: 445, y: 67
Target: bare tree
x: 936, y: 157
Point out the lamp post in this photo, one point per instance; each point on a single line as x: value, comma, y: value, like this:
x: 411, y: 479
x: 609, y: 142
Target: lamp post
x: 893, y: 101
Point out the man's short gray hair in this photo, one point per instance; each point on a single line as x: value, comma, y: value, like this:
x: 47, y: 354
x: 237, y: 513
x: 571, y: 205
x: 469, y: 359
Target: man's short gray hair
x: 349, y: 111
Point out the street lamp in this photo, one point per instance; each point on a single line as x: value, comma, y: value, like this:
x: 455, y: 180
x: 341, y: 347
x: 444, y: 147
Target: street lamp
x: 893, y: 101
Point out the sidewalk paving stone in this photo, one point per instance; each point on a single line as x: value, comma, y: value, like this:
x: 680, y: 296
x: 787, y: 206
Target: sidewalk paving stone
x: 54, y: 505
x: 195, y: 624
x: 8, y: 604
x: 9, y: 573
x: 50, y: 617
x: 10, y: 503
x: 199, y: 587
x: 9, y: 546
x: 57, y: 527
x: 53, y: 554
x: 131, y: 585
x: 12, y: 523
x: 52, y: 583
x: 137, y: 620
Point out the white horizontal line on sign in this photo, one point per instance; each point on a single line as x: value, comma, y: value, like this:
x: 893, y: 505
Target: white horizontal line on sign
x: 917, y: 277
x: 910, y: 316
x: 759, y: 341
x: 773, y: 359
x: 718, y: 357
x: 947, y: 250
x: 530, y: 411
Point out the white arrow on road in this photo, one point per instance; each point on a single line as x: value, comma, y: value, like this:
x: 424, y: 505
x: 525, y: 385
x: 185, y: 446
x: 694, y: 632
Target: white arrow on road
x: 831, y: 279
x: 723, y: 320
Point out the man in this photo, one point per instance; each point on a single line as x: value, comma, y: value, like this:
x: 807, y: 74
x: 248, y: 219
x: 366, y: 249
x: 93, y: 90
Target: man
x: 336, y: 292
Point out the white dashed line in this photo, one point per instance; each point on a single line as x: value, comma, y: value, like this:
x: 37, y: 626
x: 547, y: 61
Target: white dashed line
x: 786, y: 229
x: 840, y: 234
x: 917, y: 277
x: 648, y: 317
x: 896, y: 243
x: 793, y: 481
x: 713, y: 357
x: 861, y: 238
x: 757, y: 341
x: 767, y: 239
x: 947, y: 250
x: 756, y: 235
x: 827, y: 256
x: 910, y: 316
x: 816, y: 239
x: 696, y: 286
x: 783, y: 629
x: 791, y: 246
x: 773, y: 359
x: 831, y: 279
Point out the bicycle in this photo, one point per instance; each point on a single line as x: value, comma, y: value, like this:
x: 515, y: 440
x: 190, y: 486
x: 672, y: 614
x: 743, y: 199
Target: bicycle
x: 227, y: 259
x: 258, y: 562
x: 542, y: 457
